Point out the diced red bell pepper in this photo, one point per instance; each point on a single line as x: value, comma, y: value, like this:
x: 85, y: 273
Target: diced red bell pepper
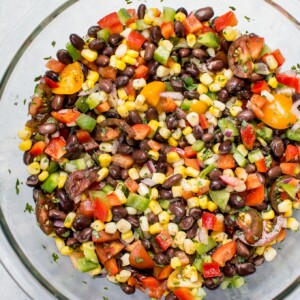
x: 203, y: 122
x: 83, y: 136
x: 111, y: 267
x: 56, y: 148
x: 279, y: 57
x: 167, y: 105
x: 156, y: 293
x: 54, y: 65
x: 211, y: 270
x: 261, y: 165
x: 133, y: 16
x: 290, y: 81
x: 131, y: 184
x: 86, y: 208
x: 130, y: 91
x: 228, y: 19
x: 224, y: 253
x: 167, y: 30
x: 52, y: 84
x: 289, y: 168
x: 191, y: 24
x: 165, y: 272
x: 37, y: 148
x: 65, y: 115
x: 141, y: 131
x: 150, y: 282
x: 101, y: 210
x: 291, y: 152
x: 259, y: 86
x: 154, y: 145
x: 135, y: 40
x: 253, y: 181
x: 255, y: 46
x: 248, y: 135
x: 139, y: 257
x: 208, y: 220
x: 141, y: 72
x: 226, y: 161
x: 164, y: 240
x: 108, y: 72
x: 109, y: 21
x: 106, y: 251
x: 102, y: 107
x: 184, y: 293
x: 189, y: 152
x: 255, y: 196
x: 113, y: 199
x: 192, y: 162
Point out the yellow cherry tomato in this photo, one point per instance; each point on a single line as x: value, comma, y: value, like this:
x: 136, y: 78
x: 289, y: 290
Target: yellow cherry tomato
x: 71, y: 80
x: 199, y: 107
x: 277, y: 114
x: 152, y: 90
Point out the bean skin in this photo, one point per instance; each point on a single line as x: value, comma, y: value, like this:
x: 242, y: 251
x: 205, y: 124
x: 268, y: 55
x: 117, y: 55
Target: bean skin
x: 245, y: 269
x: 92, y: 31
x: 141, y: 11
x: 215, y: 65
x: 96, y: 44
x: 64, y: 57
x: 242, y: 249
x: 245, y: 115
x: 121, y: 81
x: 277, y: 147
x: 172, y: 180
x: 48, y: 128
x: 102, y: 60
x: 275, y: 172
x: 114, y: 39
x: 155, y: 34
x: 140, y: 156
x: 204, y: 14
x: 149, y: 51
x: 134, y: 117
x: 186, y: 223
x: 127, y: 289
x: 179, y: 29
x: 81, y: 222
x: 77, y: 41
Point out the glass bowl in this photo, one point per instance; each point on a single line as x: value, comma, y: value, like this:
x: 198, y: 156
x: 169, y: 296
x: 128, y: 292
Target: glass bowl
x: 27, y: 253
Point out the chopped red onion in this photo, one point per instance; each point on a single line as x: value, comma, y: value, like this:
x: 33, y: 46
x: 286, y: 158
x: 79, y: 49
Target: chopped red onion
x: 77, y: 199
x: 211, y: 129
x: 58, y: 223
x: 148, y: 182
x: 150, y: 166
x: 203, y: 235
x: 173, y: 95
x: 228, y: 133
x: 286, y: 180
x: 295, y: 110
x: 90, y: 91
x: 115, y: 146
x: 55, y: 134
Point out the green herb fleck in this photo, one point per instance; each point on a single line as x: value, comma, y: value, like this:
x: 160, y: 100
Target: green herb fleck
x: 247, y: 18
x: 296, y: 68
x: 53, y: 43
x: 55, y: 257
x: 9, y: 171
x: 232, y: 8
x: 28, y: 208
x: 56, y: 200
x: 106, y: 288
x: 139, y: 260
x: 17, y: 186
x: 84, y: 282
x: 105, y: 298
x: 24, y: 101
x: 37, y: 78
x: 44, y: 247
x: 47, y: 58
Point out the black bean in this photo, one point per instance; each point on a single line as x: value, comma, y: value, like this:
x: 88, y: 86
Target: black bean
x: 32, y: 181
x: 179, y: 29
x: 64, y: 57
x: 96, y: 44
x: 72, y: 144
x: 177, y: 209
x: 261, y: 178
x: 161, y: 259
x: 184, y: 52
x: 207, y: 137
x: 152, y: 218
x: 27, y: 158
x: 196, y: 213
x: 213, y: 283
x: 114, y: 39
x: 111, y: 181
x: 244, y: 94
x: 127, y: 289
x: 186, y: 223
x: 236, y: 201
x: 277, y: 147
x: 141, y: 11
x: 191, y: 95
x: 121, y: 81
x: 125, y: 149
x: 180, y: 114
x: 225, y: 147
x: 64, y: 204
x: 81, y: 222
x: 170, y: 252
x: 48, y: 128
x: 191, y: 233
x: 108, y: 51
x: 37, y: 193
x: 200, y: 54
x: 171, y: 296
x: 177, y: 85
x: 151, y: 114
x: 102, y: 60
x: 62, y: 232
x: 92, y: 31
x: 245, y: 115
x: 129, y: 71
x: 149, y: 51
x: 275, y: 172
x: 204, y: 14
x: 214, y: 174
x: 165, y: 194
x: 114, y: 171
x: 71, y: 242
x: 255, y: 77
x: 155, y: 34
x: 124, y: 174
x: 134, y: 117
x: 296, y: 97
x: 77, y: 41
x: 242, y: 249
x: 133, y: 220
x: 153, y: 65
x: 229, y: 270
x: 224, y: 44
x: 250, y: 168
x: 172, y: 180
x: 234, y: 85
x: 258, y: 260
x: 223, y: 95
x: 192, y: 70
x: 85, y: 235
x: 245, y: 269
x: 217, y: 184
x: 70, y: 100
x: 105, y: 85
x: 171, y: 122
x: 182, y: 10
x: 84, y: 69
x: 52, y: 75
x: 261, y: 207
x: 197, y: 132
x: 140, y: 156
x: 215, y: 65
x: 57, y: 214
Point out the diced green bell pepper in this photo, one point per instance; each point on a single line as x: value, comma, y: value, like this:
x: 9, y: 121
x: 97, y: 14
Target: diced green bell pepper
x: 220, y: 198
x: 293, y: 135
x: 82, y: 105
x: 291, y: 190
x: 39, y: 137
x: 53, y: 166
x: 198, y: 146
x: 141, y: 25
x: 108, y: 188
x: 266, y: 49
x: 98, y: 195
x: 209, y: 39
x: 86, y: 122
x: 202, y: 248
x: 239, y: 158
x: 85, y: 266
x: 161, y: 54
x: 169, y: 14
x: 205, y: 171
x: 237, y: 281
x: 229, y: 125
x: 74, y: 165
x: 103, y: 34
x: 255, y: 155
x: 89, y: 252
x: 265, y: 133
x: 50, y: 184
x: 138, y: 202
x: 198, y: 263
x: 93, y: 100
x: 73, y: 51
x: 186, y: 104
x: 164, y: 204
x: 123, y: 15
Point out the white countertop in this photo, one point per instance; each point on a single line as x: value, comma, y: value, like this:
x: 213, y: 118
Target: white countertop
x: 10, y: 13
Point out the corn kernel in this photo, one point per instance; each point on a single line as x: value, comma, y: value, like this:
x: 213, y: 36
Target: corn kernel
x: 202, y: 89
x: 62, y: 179
x: 102, y: 174
x: 172, y: 157
x: 296, y: 204
x: 153, y: 193
x: 180, y: 16
x: 267, y: 95
x: 93, y: 76
x: 177, y: 134
x: 215, y: 111
x: 123, y: 276
x: 177, y: 191
x: 120, y: 65
x: 162, y: 71
x: 155, y: 228
x: 24, y: 134
x: 105, y: 160
x: 175, y: 262
x: 172, y: 142
x: 100, y: 119
x: 69, y: 219
x: 66, y: 250
x: 159, y: 178
x: 157, y: 21
x: 34, y: 168
x: 148, y: 19
x: 187, y: 130
x: 206, y: 79
x: 164, y: 217
x: 133, y: 53
x: 166, y: 44
x: 285, y: 206
x: 216, y: 148
x: 123, y: 226
x: 242, y: 149
x: 139, y: 84
x: 155, y: 207
x: 191, y: 172
x: 221, y: 80
x: 122, y: 94
x: 129, y: 60
x: 133, y: 174
x: 271, y: 62
x: 140, y: 99
x: 292, y: 224
x: 172, y: 228
x: 98, y: 225
x: 175, y: 69
x: 218, y: 236
x: 110, y: 227
x: 43, y: 176
x: 203, y: 201
x: 207, y: 100
x: 270, y: 253
x: 235, y: 110
x: 25, y: 145
x: 268, y: 215
x: 180, y: 170
x: 260, y: 250
x: 165, y: 132
x: 122, y: 111
x: 273, y: 83
x: 191, y: 40
x: 289, y: 213
x: 133, y: 26
x: 153, y: 154
x: 180, y: 237
x: 230, y: 33
x: 221, y: 106
x: 193, y: 202
x: 89, y: 54
x: 189, y: 246
x: 214, y: 87
x: 228, y: 74
x: 60, y: 243
x: 211, y: 206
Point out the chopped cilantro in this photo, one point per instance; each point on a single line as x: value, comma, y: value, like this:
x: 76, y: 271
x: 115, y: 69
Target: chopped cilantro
x: 53, y: 43
x: 28, y: 208
x: 247, y: 18
x: 296, y: 68
x: 84, y: 282
x: 37, y: 78
x: 24, y: 101
x: 55, y: 257
x: 139, y: 260
x: 17, y: 186
x: 9, y: 171
x: 106, y: 288
x: 47, y: 58
x: 44, y: 247
x: 105, y: 298
x: 232, y: 8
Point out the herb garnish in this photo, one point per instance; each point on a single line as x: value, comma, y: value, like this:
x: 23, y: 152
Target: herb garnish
x: 17, y: 186
x: 55, y: 257
x: 28, y: 208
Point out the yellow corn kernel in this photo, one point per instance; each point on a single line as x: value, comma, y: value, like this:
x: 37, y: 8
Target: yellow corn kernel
x: 177, y: 191
x: 155, y: 228
x: 24, y: 134
x: 154, y: 194
x: 96, y: 271
x: 133, y: 174
x: 175, y: 69
x: 206, y: 79
x: 102, y: 174
x: 89, y: 54
x: 271, y: 62
x: 159, y: 178
x: 296, y: 204
x: 157, y: 21
x: 164, y: 217
x: 162, y: 71
x: 292, y: 224
x: 165, y: 132
x: 221, y: 80
x: 153, y: 154
x: 211, y: 206
x: 60, y: 243
x: 242, y: 149
x: 148, y: 18
x: 214, y: 87
x: 83, y: 197
x: 25, y: 145
x: 122, y: 94
x: 273, y: 83
x: 172, y: 157
x: 190, y: 272
x: 34, y: 168
x: 202, y: 89
x: 155, y: 207
x: 191, y: 172
x: 268, y: 215
x: 122, y: 111
x: 203, y: 201
x: 215, y: 111
x: 260, y: 250
x: 153, y: 124
x: 285, y: 206
x: 93, y: 76
x: 180, y: 170
x: 127, y: 235
x: 177, y: 134
x: 129, y: 60
x: 133, y: 26
x: 187, y: 130
x: 193, y: 183
x: 69, y: 219
x: 230, y: 33
x: 105, y: 160
x: 235, y: 110
x: 238, y: 103
x: 289, y: 213
x: 175, y: 262
x: 180, y: 16
x: 43, y: 176
x: 123, y: 276
x: 193, y: 202
x: 98, y: 225
x: 216, y: 148
x: 110, y: 214
x: 141, y: 108
x: 207, y: 100
x: 172, y: 142
x: 179, y: 237
x: 218, y: 236
x: 113, y: 61
x: 62, y: 179
x: 132, y: 53
x: 120, y: 65
x: 100, y: 119
x: 130, y: 105
x: 66, y: 250
x: 191, y: 40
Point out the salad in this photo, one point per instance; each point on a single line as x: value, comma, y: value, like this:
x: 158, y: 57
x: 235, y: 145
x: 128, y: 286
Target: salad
x: 163, y: 151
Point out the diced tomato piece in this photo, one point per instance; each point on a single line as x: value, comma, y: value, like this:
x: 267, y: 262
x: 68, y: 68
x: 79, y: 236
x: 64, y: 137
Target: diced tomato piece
x: 261, y: 165
x: 54, y: 65
x: 255, y: 196
x: 132, y: 281
x: 109, y: 20
x: 259, y: 86
x: 56, y: 148
x: 205, y: 29
x: 258, y: 100
x: 290, y: 81
x: 83, y: 136
x: 211, y: 270
x: 139, y: 257
x: 131, y: 184
x: 230, y: 180
x: 102, y: 107
x: 111, y: 267
x: 101, y: 210
x: 253, y: 181
x: 165, y: 272
x: 167, y: 105
x: 164, y: 240
x: 129, y: 89
x: 279, y: 57
x: 154, y: 145
x: 108, y: 72
x: 110, y: 134
x: 187, y: 194
x: 248, y: 135
x: 289, y: 168
x: 167, y: 30
x: 156, y: 293
x: 133, y: 16
x: 228, y: 19
x: 224, y: 253
x: 37, y: 148
x: 52, y: 84
x: 113, y: 199
x: 86, y: 208
x: 291, y: 152
x: 226, y: 161
x: 255, y: 46
x: 191, y: 24
x: 203, y: 122
x: 192, y: 162
x: 141, y: 131
x: 218, y: 225
x: 135, y: 40
x: 150, y: 282
x: 208, y: 220
x: 65, y: 115
x: 105, y: 251
x: 184, y: 293
x: 141, y: 72
x: 105, y: 237
x: 189, y: 152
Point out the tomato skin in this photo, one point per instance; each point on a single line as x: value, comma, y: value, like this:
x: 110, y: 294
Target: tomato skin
x: 228, y: 19
x: 55, y: 65
x: 189, y: 152
x: 248, y: 135
x: 211, y: 270
x: 279, y: 57
x: 256, y: 45
x: 105, y: 251
x: 291, y: 152
x: 65, y: 115
x: 277, y: 114
x: 259, y: 86
x: 109, y: 21
x: 135, y: 40
x: 139, y: 257
x: 52, y: 84
x: 184, y: 294
x: 108, y: 72
x: 261, y: 165
x: 226, y: 161
x: 56, y: 148
x: 167, y: 30
x: 86, y: 209
x: 255, y: 196
x: 111, y: 267
x: 37, y: 148
x: 83, y: 136
x: 290, y: 81
x: 101, y: 210
x: 224, y: 253
x: 164, y: 240
x: 141, y: 131
x: 191, y: 24
x: 141, y: 72
x: 106, y: 237
x: 208, y: 220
